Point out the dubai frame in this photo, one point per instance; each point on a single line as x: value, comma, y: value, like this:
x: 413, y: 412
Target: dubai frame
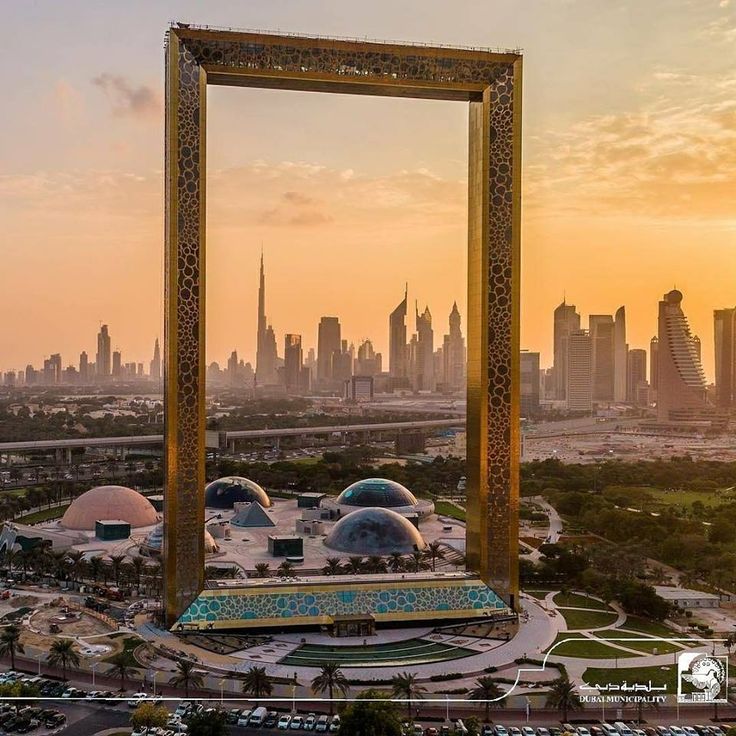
x: 490, y: 82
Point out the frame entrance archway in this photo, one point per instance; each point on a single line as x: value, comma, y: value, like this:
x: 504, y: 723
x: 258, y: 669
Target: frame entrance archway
x: 490, y: 82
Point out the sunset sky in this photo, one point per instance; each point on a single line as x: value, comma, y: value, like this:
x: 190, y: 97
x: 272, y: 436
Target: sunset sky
x: 629, y: 173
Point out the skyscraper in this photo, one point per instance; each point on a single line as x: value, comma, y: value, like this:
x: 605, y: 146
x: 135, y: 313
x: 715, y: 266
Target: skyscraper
x: 103, y: 361
x: 83, y: 367
x: 368, y: 362
x: 423, y: 363
x: 620, y: 356
x: 601, y: 329
x: 653, y: 364
x: 155, y: 370
x: 566, y: 321
x: 453, y: 354
x: 266, y: 351
x: 293, y: 360
x: 397, y: 352
x: 579, y: 389
x: 637, y: 388
x: 680, y: 377
x: 117, y: 364
x: 724, y: 324
x: 329, y: 349
x: 529, y: 369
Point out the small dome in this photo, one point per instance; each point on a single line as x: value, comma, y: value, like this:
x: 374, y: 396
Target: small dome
x: 224, y: 493
x: 154, y: 541
x: 109, y: 502
x: 377, y: 492
x: 374, y: 531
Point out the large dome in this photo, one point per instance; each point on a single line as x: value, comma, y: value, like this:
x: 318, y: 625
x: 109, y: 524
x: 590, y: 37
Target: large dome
x: 155, y: 540
x: 109, y: 502
x: 223, y: 493
x: 377, y: 492
x: 374, y: 532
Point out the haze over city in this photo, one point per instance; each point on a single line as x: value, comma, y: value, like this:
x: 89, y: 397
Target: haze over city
x: 629, y: 169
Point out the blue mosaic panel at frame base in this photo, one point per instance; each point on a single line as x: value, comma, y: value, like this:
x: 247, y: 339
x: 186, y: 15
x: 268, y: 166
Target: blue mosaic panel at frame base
x: 288, y: 606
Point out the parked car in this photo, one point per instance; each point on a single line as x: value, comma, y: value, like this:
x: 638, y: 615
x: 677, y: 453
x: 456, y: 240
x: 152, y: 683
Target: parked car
x: 271, y: 719
x: 322, y: 725
x: 136, y: 699
x: 54, y: 720
x: 297, y: 723
x: 335, y: 724
x: 310, y: 722
x: 284, y: 722
x: 244, y: 717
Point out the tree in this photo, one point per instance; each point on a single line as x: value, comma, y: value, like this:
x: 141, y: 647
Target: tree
x: 149, y: 715
x: 396, y: 562
x: 285, y: 570
x: 330, y: 678
x: 62, y: 654
x: 10, y: 643
x: 488, y: 690
x: 354, y: 565
x: 416, y: 562
x: 263, y: 570
x: 122, y: 665
x: 333, y: 566
x: 208, y: 724
x: 257, y: 683
x: 370, y: 715
x: 433, y: 553
x: 186, y: 676
x: 562, y: 697
x: 116, y: 562
x: 406, y: 687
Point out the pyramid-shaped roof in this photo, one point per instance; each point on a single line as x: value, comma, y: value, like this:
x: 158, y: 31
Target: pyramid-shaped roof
x: 252, y: 515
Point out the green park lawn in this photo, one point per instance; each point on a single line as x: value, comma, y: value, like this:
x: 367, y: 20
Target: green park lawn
x: 585, y: 649
x: 658, y: 676
x: 577, y: 600
x: 644, y: 626
x: 43, y: 515
x: 540, y: 595
x: 444, y: 508
x: 634, y: 641
x: 577, y: 620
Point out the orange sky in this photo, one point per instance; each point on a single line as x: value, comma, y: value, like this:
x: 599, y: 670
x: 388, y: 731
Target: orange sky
x: 629, y: 174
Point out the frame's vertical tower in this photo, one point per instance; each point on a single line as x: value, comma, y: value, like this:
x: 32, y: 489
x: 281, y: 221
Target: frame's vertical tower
x: 491, y: 82
x: 494, y: 223
x: 184, y: 376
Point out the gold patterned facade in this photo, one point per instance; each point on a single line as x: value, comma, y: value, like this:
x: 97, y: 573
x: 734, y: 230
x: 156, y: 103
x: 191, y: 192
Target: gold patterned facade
x: 491, y: 83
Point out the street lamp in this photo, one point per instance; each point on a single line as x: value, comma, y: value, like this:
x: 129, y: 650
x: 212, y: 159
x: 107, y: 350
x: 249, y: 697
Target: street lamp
x: 222, y: 686
x: 155, y: 675
x: 39, y: 658
x: 447, y: 708
x: 94, y: 667
x: 293, y: 695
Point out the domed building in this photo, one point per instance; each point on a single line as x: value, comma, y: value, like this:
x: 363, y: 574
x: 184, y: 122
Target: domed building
x: 224, y: 493
x: 378, y: 493
x: 375, y: 531
x: 154, y: 542
x: 109, y: 502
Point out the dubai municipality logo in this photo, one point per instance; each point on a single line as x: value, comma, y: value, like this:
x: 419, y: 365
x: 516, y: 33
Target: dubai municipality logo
x: 702, y: 678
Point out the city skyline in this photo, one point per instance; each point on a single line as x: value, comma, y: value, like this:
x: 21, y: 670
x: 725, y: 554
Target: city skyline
x: 627, y: 187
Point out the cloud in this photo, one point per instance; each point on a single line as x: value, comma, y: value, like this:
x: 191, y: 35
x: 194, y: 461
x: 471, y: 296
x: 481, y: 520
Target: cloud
x: 127, y: 100
x: 67, y: 101
x: 675, y: 158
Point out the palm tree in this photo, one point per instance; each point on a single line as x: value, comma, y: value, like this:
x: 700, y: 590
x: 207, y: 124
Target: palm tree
x: 330, y: 678
x: 333, y: 566
x: 285, y: 570
x: 375, y: 564
x: 405, y: 686
x: 116, y: 562
x: 396, y: 562
x: 257, y: 683
x: 122, y: 666
x: 487, y: 689
x: 95, y: 567
x: 137, y: 563
x: 76, y: 559
x: 186, y: 676
x: 563, y: 697
x: 10, y: 643
x: 62, y: 654
x: 263, y: 570
x: 416, y: 562
x: 354, y: 566
x: 433, y: 553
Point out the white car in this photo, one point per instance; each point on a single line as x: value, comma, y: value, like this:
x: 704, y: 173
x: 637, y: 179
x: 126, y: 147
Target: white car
x: 582, y: 731
x: 335, y: 724
x: 676, y: 731
x: 182, y: 709
x: 297, y: 723
x: 690, y: 731
x: 284, y: 722
x: 310, y: 722
x: 527, y: 731
x: 136, y: 699
x: 244, y: 718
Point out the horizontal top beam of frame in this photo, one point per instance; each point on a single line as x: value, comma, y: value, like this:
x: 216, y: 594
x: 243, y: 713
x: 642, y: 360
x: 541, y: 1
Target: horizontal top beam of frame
x: 338, y: 66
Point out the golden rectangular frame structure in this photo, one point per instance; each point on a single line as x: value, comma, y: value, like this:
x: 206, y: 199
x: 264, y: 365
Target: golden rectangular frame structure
x: 491, y: 83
